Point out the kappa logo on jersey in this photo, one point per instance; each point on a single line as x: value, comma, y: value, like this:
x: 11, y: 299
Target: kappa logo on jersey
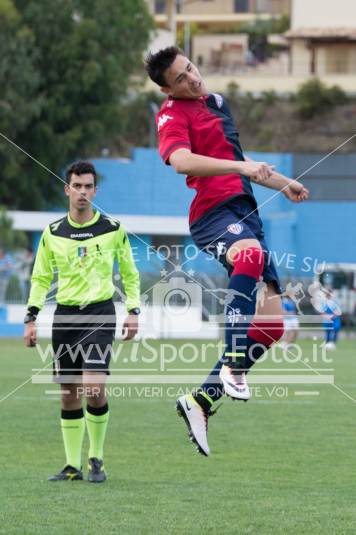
x: 235, y: 228
x: 218, y: 99
x: 163, y: 119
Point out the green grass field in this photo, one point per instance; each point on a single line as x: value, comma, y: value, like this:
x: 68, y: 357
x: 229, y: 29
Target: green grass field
x: 279, y: 465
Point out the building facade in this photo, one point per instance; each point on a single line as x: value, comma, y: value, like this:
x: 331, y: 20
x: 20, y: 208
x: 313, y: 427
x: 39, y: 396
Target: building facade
x: 152, y: 201
x: 323, y: 38
x: 321, y: 41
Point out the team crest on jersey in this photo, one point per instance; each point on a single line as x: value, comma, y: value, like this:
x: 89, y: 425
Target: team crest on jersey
x: 235, y: 228
x: 163, y: 119
x: 82, y: 252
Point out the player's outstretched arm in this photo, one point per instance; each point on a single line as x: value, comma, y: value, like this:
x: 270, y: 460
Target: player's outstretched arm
x: 292, y: 189
x: 187, y: 163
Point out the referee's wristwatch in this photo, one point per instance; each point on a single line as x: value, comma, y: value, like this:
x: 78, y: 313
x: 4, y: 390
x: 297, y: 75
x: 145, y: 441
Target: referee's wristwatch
x: 135, y: 311
x: 29, y: 317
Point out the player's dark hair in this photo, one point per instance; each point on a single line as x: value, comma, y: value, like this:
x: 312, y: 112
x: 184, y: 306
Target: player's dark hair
x: 157, y: 64
x: 80, y: 167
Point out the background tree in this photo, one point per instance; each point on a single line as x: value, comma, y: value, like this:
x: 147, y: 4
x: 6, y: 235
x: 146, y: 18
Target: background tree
x: 10, y: 239
x: 64, y: 68
x: 19, y: 97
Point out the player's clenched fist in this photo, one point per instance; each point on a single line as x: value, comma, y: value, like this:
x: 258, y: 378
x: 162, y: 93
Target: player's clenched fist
x: 258, y: 171
x: 296, y: 192
x: 30, y: 334
x: 130, y: 327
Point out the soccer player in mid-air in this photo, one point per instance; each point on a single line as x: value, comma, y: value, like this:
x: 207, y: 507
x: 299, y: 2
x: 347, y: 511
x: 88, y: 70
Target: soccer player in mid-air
x: 81, y: 249
x: 198, y: 137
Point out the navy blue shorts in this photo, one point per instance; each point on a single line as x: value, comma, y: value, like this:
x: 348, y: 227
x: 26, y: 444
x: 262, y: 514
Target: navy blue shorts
x: 235, y: 220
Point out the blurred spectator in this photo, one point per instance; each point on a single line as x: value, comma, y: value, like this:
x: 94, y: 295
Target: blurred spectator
x: 291, y: 322
x: 24, y: 264
x: 250, y: 58
x: 6, y: 266
x: 331, y: 313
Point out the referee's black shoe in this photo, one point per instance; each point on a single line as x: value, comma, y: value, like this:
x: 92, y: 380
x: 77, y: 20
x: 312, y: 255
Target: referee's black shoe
x: 69, y: 473
x: 96, y: 472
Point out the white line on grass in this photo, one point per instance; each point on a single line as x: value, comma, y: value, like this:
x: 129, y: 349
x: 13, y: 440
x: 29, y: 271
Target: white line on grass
x: 307, y: 393
x: 193, y: 379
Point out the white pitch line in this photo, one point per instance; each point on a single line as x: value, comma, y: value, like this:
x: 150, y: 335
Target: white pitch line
x: 307, y: 393
x: 193, y: 379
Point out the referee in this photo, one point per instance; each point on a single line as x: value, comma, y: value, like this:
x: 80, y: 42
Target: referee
x: 81, y: 250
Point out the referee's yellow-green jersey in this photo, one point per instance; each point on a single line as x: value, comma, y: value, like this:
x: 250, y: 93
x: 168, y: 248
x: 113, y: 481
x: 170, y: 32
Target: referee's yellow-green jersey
x: 83, y: 257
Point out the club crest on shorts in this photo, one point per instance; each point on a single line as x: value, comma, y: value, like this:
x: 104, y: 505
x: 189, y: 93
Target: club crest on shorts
x: 233, y: 316
x: 235, y: 228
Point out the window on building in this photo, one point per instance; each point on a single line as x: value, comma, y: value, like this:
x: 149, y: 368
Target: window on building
x: 263, y: 6
x: 241, y: 6
x: 160, y: 6
x: 337, y: 59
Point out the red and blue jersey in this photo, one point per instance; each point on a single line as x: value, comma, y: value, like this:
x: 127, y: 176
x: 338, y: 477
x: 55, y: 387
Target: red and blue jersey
x: 204, y: 126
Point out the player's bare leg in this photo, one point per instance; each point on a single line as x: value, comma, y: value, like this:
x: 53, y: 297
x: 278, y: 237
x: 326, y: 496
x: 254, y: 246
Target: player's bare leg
x: 71, y: 397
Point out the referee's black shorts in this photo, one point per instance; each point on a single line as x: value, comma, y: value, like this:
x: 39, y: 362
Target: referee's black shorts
x: 82, y: 338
